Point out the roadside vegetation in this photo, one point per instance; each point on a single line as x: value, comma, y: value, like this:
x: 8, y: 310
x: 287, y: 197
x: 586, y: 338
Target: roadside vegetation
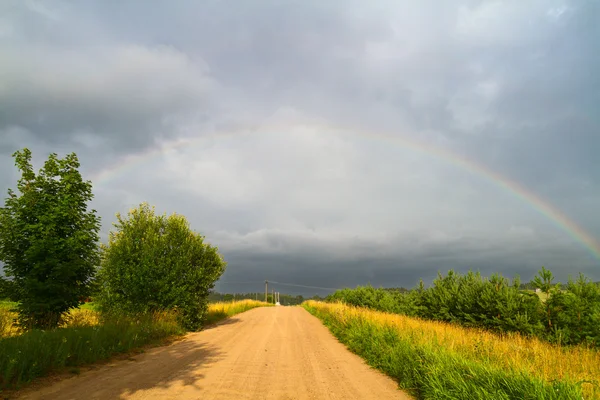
x: 562, y: 314
x: 149, y: 282
x: 284, y: 299
x: 222, y: 310
x: 439, y: 360
x: 88, y: 336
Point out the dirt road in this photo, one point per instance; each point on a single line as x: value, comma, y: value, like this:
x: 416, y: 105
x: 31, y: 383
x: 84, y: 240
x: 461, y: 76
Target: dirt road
x: 265, y: 353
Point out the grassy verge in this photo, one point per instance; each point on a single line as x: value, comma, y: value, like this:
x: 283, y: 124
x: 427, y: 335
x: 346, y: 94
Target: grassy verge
x: 35, y: 353
x: 222, y: 310
x: 433, y: 360
x: 7, y: 318
x: 86, y: 338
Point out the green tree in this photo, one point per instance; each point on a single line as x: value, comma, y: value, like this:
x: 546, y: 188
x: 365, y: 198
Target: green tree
x: 544, y: 281
x: 156, y: 262
x: 6, y: 289
x: 48, y: 239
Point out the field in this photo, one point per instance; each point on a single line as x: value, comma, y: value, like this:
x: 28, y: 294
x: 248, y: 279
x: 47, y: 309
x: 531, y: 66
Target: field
x: 222, y: 310
x: 434, y: 360
x: 87, y: 337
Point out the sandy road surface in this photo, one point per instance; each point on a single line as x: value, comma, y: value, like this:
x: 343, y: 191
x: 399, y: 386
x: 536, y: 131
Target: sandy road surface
x: 265, y: 353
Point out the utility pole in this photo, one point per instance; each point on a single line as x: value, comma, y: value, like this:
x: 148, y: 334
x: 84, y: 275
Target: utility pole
x: 266, y: 290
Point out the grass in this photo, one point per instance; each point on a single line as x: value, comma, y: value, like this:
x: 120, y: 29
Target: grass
x: 35, y: 353
x: 86, y: 337
x: 221, y: 310
x: 7, y: 319
x: 433, y: 360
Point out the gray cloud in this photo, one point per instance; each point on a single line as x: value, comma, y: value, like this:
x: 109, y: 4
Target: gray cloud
x: 254, y: 91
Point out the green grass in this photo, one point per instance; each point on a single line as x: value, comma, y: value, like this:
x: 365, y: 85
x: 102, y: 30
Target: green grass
x: 36, y: 353
x: 87, y: 338
x: 429, y: 371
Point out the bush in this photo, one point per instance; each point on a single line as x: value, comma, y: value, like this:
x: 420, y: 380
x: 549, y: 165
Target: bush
x: 567, y: 316
x: 575, y: 313
x: 156, y: 263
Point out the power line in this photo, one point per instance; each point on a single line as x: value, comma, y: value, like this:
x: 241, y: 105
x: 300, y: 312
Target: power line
x: 304, y: 286
x: 279, y: 283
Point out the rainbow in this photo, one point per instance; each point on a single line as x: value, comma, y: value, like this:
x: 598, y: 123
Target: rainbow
x: 546, y: 209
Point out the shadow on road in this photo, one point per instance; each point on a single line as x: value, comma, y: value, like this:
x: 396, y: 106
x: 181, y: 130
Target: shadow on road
x: 162, y: 367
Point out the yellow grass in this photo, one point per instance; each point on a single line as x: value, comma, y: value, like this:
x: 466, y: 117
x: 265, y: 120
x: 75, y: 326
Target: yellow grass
x: 90, y: 317
x: 540, y: 359
x: 233, y: 306
x: 7, y: 328
x: 81, y: 317
x: 221, y: 310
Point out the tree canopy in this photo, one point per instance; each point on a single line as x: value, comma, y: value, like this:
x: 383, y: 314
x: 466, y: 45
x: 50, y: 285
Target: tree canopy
x: 155, y: 262
x: 48, y: 239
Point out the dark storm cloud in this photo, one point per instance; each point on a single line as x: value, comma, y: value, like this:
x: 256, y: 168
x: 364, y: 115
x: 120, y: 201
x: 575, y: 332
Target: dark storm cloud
x: 512, y: 86
x: 124, y: 96
x: 398, y: 271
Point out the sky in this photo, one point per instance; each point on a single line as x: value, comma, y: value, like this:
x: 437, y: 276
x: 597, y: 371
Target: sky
x: 324, y: 144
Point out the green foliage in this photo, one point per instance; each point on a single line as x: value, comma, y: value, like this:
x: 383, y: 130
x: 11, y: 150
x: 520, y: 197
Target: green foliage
x: 157, y: 262
x: 48, y: 239
x: 575, y: 313
x: 7, y: 289
x: 431, y: 372
x: 474, y: 301
x: 285, y: 299
x: 569, y: 316
x: 378, y: 299
x: 36, y: 353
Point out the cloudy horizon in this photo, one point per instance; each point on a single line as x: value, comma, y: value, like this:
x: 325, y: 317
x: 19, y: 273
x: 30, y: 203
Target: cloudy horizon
x: 324, y: 144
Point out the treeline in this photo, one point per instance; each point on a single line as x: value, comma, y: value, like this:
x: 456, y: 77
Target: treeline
x: 150, y: 281
x: 284, y: 299
x: 569, y: 315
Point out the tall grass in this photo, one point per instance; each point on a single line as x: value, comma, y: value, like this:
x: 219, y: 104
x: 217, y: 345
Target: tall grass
x: 7, y: 321
x: 85, y: 337
x: 221, y: 310
x: 35, y: 353
x: 435, y: 360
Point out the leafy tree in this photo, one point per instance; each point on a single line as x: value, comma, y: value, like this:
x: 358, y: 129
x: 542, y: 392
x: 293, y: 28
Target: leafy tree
x: 156, y: 262
x: 576, y: 313
x: 6, y: 289
x: 48, y: 239
x: 544, y: 281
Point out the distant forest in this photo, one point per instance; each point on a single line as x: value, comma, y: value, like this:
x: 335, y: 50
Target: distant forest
x: 285, y: 299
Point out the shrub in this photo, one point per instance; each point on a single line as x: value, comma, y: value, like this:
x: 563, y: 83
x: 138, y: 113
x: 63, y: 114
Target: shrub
x: 569, y: 315
x: 154, y: 263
